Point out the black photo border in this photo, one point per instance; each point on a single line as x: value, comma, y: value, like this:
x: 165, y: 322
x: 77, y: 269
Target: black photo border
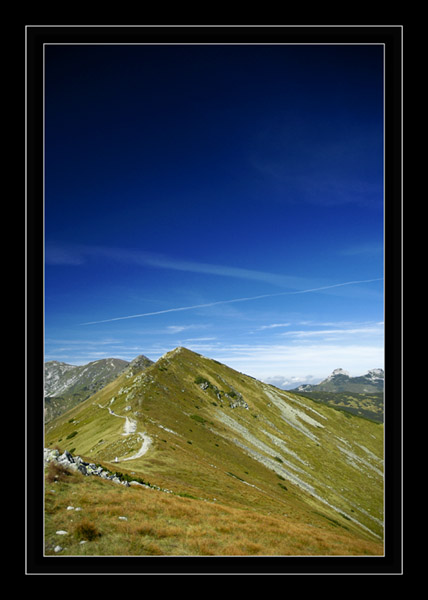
x: 36, y: 36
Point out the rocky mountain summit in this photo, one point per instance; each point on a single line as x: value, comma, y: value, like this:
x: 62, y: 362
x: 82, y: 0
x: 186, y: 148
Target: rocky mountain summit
x: 68, y: 385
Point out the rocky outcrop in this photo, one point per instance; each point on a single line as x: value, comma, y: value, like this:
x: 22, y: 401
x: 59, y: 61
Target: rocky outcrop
x: 234, y: 397
x: 76, y: 463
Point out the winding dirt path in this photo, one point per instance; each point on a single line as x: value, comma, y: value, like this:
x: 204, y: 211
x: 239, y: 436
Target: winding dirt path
x: 129, y: 428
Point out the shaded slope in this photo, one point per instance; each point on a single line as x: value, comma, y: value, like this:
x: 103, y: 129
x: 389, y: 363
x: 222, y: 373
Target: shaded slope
x: 369, y: 406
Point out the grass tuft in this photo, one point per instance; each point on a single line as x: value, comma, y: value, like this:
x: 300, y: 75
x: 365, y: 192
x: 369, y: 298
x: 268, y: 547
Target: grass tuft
x: 86, y: 530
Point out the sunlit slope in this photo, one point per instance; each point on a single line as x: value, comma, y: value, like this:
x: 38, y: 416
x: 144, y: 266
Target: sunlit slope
x: 196, y: 427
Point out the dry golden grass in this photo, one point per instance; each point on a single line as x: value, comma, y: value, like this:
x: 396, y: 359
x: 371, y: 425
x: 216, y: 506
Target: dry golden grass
x: 163, y: 524
x: 56, y: 472
x: 86, y: 530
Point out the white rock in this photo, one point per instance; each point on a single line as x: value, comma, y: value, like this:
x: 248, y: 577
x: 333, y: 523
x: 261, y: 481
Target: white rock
x: 57, y: 549
x: 61, y: 532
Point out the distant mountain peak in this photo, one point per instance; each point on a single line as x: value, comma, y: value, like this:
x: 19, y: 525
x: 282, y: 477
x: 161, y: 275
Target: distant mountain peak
x: 138, y: 364
x: 138, y: 360
x: 375, y: 374
x: 337, y: 372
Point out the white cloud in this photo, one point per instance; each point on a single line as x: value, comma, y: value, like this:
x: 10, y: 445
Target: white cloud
x: 165, y: 262
x: 273, y: 326
x: 336, y: 332
x: 73, y: 254
x: 178, y: 328
x: 201, y: 339
x: 287, y: 361
x: 288, y: 383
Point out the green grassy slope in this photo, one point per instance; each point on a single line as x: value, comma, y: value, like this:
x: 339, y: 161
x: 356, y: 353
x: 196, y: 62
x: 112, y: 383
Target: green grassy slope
x: 220, y: 436
x: 369, y: 406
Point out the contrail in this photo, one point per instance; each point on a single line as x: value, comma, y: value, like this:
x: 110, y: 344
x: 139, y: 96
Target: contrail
x: 168, y: 310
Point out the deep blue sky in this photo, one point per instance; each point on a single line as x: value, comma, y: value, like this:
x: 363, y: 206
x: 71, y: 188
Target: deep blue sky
x: 180, y: 175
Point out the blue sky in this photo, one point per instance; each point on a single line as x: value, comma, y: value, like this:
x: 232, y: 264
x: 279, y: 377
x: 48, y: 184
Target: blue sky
x: 226, y: 198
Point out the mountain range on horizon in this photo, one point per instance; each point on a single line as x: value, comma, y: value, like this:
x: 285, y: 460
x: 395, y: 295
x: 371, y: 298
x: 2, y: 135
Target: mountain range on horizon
x: 341, y: 381
x: 66, y: 385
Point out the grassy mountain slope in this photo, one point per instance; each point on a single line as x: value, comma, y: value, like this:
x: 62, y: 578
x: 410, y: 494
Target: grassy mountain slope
x: 369, y: 406
x: 197, y: 428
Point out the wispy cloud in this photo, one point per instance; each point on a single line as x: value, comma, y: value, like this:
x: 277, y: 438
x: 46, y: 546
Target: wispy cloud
x: 179, y: 328
x: 366, y: 249
x: 80, y: 342
x: 61, y: 254
x: 273, y: 326
x: 325, y: 162
x: 57, y: 254
x: 201, y: 339
x: 339, y: 324
x: 163, y: 262
x: 375, y: 329
x: 246, y: 299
